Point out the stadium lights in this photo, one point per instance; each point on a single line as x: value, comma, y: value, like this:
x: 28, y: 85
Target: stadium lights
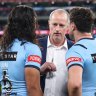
x: 2, y: 3
x: 35, y: 3
x: 88, y: 1
x: 69, y: 3
x: 19, y: 3
x: 52, y: 2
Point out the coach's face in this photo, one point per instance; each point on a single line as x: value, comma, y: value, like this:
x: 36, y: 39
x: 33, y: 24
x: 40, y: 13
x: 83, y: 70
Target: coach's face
x: 58, y: 26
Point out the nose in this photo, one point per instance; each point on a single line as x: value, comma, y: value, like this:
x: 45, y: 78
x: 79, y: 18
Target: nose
x: 57, y: 28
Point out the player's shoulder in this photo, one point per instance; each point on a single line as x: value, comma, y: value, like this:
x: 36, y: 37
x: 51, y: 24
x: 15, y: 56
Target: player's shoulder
x: 78, y: 47
x: 29, y: 45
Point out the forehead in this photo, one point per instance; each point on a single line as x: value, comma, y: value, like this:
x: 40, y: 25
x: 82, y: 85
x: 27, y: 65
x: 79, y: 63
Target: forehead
x: 59, y: 17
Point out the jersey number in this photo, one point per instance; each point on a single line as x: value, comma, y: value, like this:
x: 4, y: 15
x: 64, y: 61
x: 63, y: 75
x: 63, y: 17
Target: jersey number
x: 6, y: 82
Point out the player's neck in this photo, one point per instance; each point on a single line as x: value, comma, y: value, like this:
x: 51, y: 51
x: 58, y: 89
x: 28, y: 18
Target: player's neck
x: 79, y: 36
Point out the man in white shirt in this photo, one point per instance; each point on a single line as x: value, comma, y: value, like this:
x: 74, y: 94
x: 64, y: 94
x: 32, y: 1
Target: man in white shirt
x: 53, y: 70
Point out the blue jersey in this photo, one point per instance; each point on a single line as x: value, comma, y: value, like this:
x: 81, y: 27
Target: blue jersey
x: 12, y: 65
x: 83, y: 54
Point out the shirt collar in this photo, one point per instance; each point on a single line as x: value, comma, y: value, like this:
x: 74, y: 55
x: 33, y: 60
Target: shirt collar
x: 63, y: 46
x: 49, y: 43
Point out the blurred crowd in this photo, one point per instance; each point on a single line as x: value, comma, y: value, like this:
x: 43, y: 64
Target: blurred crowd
x: 42, y: 9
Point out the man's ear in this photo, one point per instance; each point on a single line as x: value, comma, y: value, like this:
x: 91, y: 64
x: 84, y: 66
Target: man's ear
x: 73, y: 26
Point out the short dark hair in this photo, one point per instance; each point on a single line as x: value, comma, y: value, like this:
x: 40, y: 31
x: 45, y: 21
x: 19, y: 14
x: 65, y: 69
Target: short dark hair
x: 83, y: 18
x: 21, y: 24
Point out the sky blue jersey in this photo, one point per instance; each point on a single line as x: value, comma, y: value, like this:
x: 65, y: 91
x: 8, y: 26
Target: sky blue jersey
x: 12, y: 66
x: 83, y: 54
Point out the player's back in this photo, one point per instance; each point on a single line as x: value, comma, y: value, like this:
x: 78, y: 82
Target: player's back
x: 85, y: 50
x: 89, y: 69
x: 88, y: 52
x: 12, y: 70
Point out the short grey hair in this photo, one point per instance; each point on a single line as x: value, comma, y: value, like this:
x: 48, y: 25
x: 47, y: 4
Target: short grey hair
x: 60, y: 11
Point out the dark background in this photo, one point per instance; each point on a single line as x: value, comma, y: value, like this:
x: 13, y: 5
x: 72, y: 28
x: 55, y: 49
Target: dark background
x: 43, y: 8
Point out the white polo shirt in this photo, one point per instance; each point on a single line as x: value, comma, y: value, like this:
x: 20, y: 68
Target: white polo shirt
x: 56, y: 85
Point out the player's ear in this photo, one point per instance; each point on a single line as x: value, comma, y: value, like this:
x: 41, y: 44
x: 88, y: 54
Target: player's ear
x: 73, y: 26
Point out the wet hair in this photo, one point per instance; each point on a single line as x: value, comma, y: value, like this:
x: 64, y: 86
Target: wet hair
x: 21, y: 24
x: 83, y: 18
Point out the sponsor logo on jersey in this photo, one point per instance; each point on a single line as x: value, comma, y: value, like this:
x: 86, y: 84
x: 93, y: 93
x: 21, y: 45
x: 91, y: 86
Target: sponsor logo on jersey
x: 7, y: 85
x: 34, y: 58
x: 8, y: 56
x: 94, y: 57
x: 72, y: 59
x: 9, y: 94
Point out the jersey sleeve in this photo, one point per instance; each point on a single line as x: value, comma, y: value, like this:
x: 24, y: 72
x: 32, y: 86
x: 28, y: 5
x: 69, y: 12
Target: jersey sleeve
x: 74, y: 58
x: 33, y: 56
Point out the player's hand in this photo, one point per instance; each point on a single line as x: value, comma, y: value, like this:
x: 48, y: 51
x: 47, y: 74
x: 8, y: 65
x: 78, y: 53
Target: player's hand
x: 46, y: 67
